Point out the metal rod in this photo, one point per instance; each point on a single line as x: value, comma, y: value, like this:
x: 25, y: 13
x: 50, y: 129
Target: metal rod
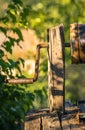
x: 39, y: 46
x: 30, y: 80
x: 20, y: 81
x: 67, y: 44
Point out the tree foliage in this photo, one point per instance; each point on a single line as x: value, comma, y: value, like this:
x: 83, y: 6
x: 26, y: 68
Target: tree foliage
x: 14, y: 100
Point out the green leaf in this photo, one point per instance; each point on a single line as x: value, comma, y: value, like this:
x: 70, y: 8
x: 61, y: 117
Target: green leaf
x: 5, y: 19
x: 12, y: 16
x: 2, y: 78
x: 12, y: 40
x: 18, y: 2
x: 22, y: 61
x: 1, y: 53
x: 4, y: 30
x: 12, y: 6
x: 7, y: 46
x: 18, y: 32
x: 4, y: 65
x: 14, y: 64
x: 26, y: 11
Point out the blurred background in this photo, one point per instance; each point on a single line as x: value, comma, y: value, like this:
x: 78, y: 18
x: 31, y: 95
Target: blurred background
x: 38, y: 16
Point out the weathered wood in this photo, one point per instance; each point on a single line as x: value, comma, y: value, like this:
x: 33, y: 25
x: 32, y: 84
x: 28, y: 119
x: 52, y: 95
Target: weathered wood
x: 56, y: 68
x: 81, y: 29
x: 77, y: 40
x: 74, y: 42
x: 44, y: 120
x: 32, y: 124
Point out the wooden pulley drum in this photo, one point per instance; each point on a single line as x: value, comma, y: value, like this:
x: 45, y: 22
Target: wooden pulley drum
x: 77, y: 42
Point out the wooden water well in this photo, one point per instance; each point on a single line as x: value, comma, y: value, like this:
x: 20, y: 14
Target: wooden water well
x: 56, y: 117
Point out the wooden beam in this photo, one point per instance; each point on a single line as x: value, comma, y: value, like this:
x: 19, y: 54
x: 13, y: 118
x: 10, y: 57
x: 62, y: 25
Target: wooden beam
x: 77, y: 41
x: 74, y: 41
x: 56, y: 78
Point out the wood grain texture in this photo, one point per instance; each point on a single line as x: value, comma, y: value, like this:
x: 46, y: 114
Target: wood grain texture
x: 44, y: 120
x: 56, y: 68
x: 77, y: 41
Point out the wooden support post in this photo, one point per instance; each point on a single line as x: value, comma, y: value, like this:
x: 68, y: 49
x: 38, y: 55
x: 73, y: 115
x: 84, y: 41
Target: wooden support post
x: 77, y: 41
x: 56, y: 67
x: 74, y: 41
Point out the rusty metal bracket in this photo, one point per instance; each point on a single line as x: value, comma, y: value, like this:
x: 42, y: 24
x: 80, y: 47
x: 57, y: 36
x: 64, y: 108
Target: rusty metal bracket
x: 30, y: 80
x: 67, y: 44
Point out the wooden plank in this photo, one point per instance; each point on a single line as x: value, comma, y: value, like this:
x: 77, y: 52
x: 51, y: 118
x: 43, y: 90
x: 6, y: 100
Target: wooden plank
x: 81, y: 31
x: 74, y: 41
x: 77, y: 40
x: 65, y: 125
x: 56, y: 68
x: 44, y: 120
x: 33, y: 124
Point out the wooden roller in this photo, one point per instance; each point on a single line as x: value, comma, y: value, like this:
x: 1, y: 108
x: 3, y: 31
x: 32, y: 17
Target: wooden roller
x: 77, y: 41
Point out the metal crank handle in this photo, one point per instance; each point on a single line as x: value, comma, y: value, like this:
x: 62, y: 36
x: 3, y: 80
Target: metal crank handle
x: 30, y: 80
